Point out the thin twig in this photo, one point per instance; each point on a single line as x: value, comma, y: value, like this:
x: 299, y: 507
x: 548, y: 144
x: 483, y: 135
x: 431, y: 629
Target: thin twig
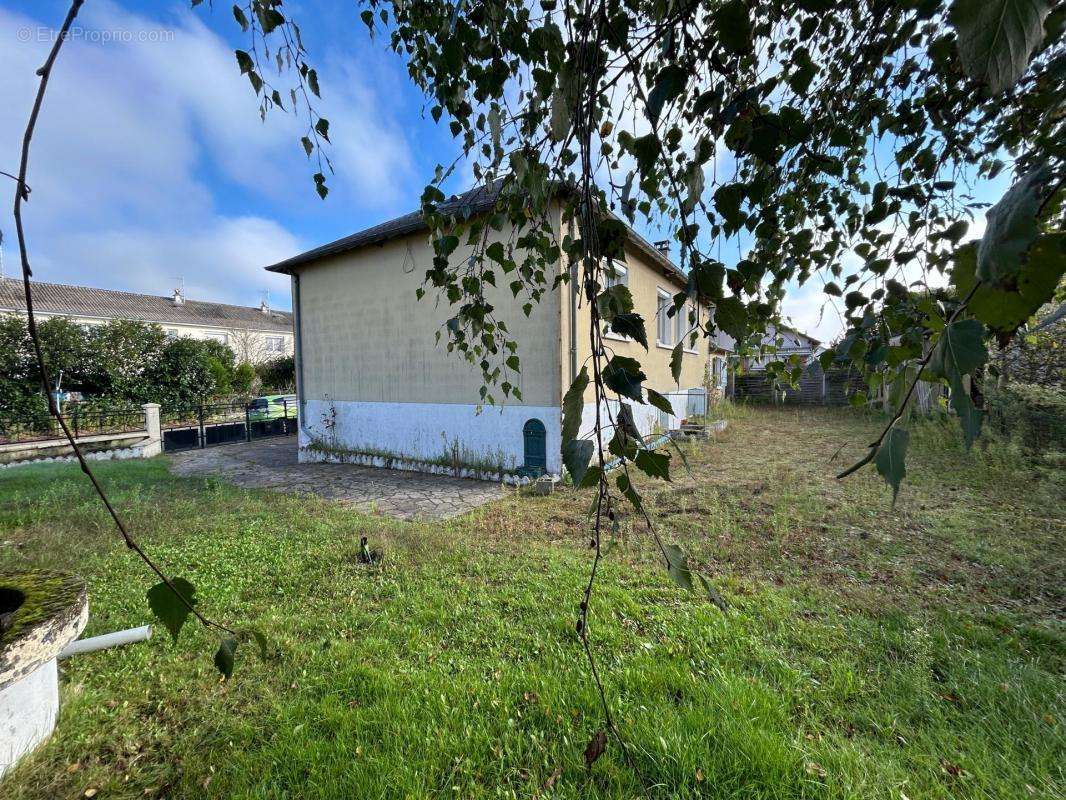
x: 20, y: 195
x: 922, y: 363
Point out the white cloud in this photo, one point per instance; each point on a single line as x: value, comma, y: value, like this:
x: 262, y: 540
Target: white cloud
x: 223, y: 261
x: 150, y: 156
x: 810, y: 310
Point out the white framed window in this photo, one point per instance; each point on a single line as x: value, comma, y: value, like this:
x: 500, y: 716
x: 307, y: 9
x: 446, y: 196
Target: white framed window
x: 172, y: 333
x: 615, y: 274
x: 663, y: 324
x: 274, y: 344
x: 218, y: 337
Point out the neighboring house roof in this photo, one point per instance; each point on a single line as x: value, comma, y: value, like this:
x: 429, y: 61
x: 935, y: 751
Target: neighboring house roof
x: 85, y: 301
x: 475, y: 201
x: 723, y: 341
x: 770, y: 337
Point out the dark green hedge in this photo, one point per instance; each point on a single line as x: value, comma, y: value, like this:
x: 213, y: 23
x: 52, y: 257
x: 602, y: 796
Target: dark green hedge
x: 122, y: 362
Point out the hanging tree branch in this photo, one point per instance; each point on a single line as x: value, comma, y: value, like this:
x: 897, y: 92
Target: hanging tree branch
x: 172, y: 600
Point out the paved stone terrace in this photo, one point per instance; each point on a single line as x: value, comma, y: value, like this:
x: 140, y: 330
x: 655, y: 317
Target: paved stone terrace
x: 272, y: 464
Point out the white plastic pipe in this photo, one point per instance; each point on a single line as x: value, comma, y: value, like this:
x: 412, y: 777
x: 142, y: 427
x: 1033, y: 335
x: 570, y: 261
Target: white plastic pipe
x: 94, y: 643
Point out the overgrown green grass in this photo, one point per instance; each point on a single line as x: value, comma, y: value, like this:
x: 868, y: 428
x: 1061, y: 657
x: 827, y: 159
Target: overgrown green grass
x: 871, y: 651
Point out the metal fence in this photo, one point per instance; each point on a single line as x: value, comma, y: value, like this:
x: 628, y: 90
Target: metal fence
x: 82, y: 423
x: 213, y: 424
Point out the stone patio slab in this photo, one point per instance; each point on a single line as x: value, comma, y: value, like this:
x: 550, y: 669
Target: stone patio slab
x: 271, y: 464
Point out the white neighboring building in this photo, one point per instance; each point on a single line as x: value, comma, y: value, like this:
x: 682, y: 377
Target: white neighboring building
x: 253, y: 333
x: 789, y: 342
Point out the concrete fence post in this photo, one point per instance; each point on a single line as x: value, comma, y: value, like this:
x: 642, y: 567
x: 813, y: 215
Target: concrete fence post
x: 155, y: 430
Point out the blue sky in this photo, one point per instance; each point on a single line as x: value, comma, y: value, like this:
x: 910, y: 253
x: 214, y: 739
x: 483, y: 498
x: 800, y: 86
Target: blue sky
x: 151, y: 165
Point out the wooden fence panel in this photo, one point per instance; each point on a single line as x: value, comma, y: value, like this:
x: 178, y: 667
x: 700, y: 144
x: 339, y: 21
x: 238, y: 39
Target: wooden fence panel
x: 816, y: 387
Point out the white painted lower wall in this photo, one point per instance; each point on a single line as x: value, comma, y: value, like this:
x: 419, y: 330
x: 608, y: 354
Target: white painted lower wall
x: 425, y: 436
x: 647, y: 417
x: 28, y: 710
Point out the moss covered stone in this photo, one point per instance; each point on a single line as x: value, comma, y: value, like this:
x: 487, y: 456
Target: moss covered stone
x: 53, y: 611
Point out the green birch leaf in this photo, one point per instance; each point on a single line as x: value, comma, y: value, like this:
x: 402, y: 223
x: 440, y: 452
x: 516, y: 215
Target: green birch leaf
x: 956, y: 231
x: 255, y: 80
x: 677, y: 566
x: 677, y: 355
x: 630, y: 325
x: 694, y: 183
x: 660, y: 402
x: 244, y: 61
x: 970, y: 416
x: 573, y: 406
x: 727, y: 202
x: 1012, y: 228
x: 624, y: 376
x: 712, y: 593
x: 732, y: 22
x: 577, y: 453
x: 653, y: 463
x: 168, y: 607
x: 614, y: 300
x: 622, y: 444
x: 996, y: 38
x: 731, y: 317
x: 224, y: 657
x: 891, y: 457
x: 312, y: 82
x: 625, y: 486
x: 669, y: 84
x: 591, y: 477
x: 496, y: 252
x: 959, y: 350
x: 1002, y: 310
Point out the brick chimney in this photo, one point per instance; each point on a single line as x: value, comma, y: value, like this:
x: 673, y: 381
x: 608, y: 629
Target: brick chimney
x: 663, y: 246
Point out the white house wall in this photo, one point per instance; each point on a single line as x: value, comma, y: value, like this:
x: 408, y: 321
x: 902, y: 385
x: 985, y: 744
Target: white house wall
x: 447, y: 438
x: 647, y: 418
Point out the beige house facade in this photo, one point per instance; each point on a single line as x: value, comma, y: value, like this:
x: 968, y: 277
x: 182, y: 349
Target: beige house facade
x: 254, y: 334
x: 375, y: 387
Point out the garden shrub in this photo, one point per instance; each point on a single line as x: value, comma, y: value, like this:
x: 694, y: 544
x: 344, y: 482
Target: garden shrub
x: 278, y: 374
x: 244, y: 378
x: 120, y: 363
x: 1032, y: 416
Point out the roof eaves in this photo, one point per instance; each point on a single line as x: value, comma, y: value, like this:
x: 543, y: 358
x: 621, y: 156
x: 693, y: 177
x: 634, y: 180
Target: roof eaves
x: 413, y: 223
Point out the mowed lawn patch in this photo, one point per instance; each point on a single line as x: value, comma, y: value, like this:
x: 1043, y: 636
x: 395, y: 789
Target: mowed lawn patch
x: 870, y: 651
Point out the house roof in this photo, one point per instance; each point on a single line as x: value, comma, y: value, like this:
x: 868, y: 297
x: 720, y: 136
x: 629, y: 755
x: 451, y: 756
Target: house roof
x: 475, y: 201
x: 86, y: 301
x: 779, y: 327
